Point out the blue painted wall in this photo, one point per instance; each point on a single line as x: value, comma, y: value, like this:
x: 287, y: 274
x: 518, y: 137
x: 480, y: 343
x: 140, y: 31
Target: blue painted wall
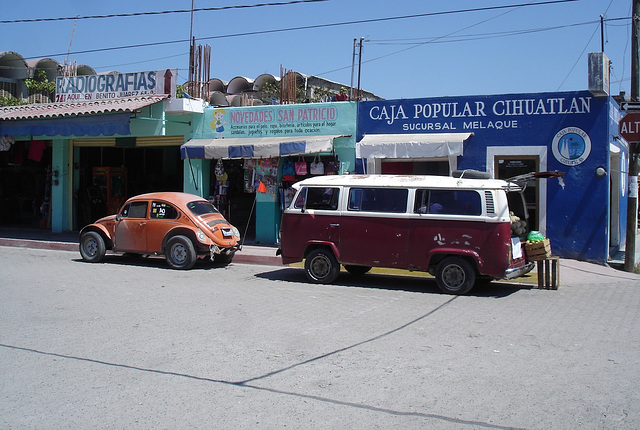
x: 573, y: 131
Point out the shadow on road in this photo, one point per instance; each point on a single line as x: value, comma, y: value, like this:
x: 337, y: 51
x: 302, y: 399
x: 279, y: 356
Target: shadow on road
x: 414, y: 284
x: 156, y: 262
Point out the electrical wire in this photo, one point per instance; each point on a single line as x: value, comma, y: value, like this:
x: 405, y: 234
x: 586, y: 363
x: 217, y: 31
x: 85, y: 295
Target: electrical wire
x: 164, y: 12
x: 310, y: 27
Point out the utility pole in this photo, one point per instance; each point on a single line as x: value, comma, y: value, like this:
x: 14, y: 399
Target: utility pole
x: 632, y: 201
x: 353, y: 64
x: 360, y: 67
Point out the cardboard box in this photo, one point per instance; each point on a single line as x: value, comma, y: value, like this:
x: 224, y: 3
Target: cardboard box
x: 538, y: 250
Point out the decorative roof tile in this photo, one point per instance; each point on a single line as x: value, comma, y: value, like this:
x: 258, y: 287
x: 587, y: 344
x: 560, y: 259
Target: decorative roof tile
x: 55, y: 110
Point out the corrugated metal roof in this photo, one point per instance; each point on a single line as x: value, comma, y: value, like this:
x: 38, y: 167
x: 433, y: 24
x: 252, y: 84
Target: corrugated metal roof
x: 53, y: 110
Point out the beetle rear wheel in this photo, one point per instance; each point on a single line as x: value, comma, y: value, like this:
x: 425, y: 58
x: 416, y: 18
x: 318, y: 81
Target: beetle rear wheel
x: 321, y: 266
x: 455, y: 275
x: 180, y: 253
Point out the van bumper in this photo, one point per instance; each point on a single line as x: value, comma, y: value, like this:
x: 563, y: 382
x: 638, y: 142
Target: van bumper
x: 519, y: 271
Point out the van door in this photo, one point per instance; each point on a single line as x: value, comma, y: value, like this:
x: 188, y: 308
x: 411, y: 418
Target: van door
x: 314, y: 218
x: 375, y: 228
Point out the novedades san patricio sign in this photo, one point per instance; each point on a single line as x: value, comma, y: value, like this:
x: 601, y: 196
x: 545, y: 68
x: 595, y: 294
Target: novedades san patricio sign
x: 115, y: 85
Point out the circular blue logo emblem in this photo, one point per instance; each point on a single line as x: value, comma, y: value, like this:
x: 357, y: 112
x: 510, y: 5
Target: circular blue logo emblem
x: 571, y: 146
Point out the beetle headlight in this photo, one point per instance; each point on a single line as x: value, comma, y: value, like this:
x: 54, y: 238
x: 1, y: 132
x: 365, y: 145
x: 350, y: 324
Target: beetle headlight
x: 236, y: 232
x: 202, y: 237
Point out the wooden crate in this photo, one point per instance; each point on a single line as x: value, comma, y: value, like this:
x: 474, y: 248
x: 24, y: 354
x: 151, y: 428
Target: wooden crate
x: 549, y: 273
x: 538, y: 250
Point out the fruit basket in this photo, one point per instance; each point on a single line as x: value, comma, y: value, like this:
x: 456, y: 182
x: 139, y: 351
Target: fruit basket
x: 539, y: 250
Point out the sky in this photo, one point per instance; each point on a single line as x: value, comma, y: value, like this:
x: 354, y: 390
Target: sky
x: 410, y: 48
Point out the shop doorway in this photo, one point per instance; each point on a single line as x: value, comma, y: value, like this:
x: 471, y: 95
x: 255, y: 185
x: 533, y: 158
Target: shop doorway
x: 25, y: 184
x: 232, y: 196
x: 106, y: 176
x: 510, y: 166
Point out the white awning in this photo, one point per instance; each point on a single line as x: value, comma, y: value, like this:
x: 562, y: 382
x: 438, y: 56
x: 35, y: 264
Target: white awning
x: 426, y: 145
x: 260, y: 147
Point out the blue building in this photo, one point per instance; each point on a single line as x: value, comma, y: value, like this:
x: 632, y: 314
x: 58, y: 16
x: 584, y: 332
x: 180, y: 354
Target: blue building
x: 583, y: 213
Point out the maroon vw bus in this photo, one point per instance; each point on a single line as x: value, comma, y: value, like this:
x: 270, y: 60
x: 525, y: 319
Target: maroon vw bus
x: 459, y: 230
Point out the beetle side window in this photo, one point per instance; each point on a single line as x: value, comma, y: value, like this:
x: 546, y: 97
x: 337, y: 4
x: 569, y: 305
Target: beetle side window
x: 135, y: 210
x: 161, y: 210
x: 448, y: 202
x: 378, y: 200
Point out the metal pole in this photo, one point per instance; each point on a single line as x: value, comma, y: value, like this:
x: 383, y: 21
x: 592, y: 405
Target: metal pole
x: 602, y: 33
x: 632, y: 200
x: 353, y: 65
x: 360, y: 65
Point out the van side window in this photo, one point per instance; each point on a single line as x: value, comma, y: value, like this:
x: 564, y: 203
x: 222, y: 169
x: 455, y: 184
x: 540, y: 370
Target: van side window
x: 378, y: 200
x: 324, y: 198
x: 448, y: 202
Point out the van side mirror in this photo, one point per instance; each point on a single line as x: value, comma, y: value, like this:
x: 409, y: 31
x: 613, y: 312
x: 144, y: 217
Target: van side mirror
x: 118, y: 217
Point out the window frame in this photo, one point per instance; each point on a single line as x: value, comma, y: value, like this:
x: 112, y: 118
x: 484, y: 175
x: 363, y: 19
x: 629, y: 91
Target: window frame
x: 126, y: 210
x: 377, y: 195
x: 163, y: 205
x: 426, y: 199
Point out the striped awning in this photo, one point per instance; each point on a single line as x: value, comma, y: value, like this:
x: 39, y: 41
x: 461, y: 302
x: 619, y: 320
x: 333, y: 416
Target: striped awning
x: 261, y: 147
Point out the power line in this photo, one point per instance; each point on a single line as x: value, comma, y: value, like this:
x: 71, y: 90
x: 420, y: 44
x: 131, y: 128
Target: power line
x: 310, y: 27
x: 436, y: 39
x: 164, y: 12
x: 479, y: 36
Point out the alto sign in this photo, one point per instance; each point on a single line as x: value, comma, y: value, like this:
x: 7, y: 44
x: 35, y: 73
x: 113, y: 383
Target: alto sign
x: 629, y: 127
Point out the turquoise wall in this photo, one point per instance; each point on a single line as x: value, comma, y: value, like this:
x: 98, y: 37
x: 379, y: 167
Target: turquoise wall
x: 297, y: 120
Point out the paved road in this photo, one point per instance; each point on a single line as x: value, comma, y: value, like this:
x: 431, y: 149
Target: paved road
x: 129, y: 344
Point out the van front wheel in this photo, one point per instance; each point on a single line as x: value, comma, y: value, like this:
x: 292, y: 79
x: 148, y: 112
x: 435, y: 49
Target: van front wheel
x: 321, y: 266
x: 455, y: 275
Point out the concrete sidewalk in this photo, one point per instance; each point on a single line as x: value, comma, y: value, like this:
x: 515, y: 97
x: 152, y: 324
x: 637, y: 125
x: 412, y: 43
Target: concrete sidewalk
x: 44, y: 239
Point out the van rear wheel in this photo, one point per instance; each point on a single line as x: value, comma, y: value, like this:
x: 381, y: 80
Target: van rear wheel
x: 455, y: 275
x: 357, y: 270
x: 321, y: 266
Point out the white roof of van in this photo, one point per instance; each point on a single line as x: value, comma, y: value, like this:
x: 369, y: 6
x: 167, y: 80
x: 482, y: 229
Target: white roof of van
x: 394, y: 181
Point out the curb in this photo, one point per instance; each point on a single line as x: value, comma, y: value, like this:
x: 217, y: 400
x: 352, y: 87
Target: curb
x: 240, y: 257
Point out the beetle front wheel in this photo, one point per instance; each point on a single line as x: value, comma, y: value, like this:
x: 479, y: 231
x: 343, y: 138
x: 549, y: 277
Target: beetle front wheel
x: 92, y: 247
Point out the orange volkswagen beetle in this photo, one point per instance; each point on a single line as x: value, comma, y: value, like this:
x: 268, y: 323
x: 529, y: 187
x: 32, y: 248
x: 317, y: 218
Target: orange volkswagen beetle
x: 180, y: 226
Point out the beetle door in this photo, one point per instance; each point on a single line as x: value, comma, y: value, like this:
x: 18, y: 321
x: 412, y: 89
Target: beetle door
x: 162, y: 218
x: 131, y: 228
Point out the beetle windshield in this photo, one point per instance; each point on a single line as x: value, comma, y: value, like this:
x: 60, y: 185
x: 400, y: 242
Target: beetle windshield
x: 202, y: 208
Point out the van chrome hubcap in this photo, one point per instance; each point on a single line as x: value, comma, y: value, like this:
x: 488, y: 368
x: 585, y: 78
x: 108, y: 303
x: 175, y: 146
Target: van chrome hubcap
x: 320, y: 266
x: 453, y: 276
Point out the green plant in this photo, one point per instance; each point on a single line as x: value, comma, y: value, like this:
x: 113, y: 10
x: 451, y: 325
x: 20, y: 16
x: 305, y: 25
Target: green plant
x: 11, y: 101
x: 40, y: 83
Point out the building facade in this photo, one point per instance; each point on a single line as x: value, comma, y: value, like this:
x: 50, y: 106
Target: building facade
x: 247, y: 158
x: 583, y: 213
